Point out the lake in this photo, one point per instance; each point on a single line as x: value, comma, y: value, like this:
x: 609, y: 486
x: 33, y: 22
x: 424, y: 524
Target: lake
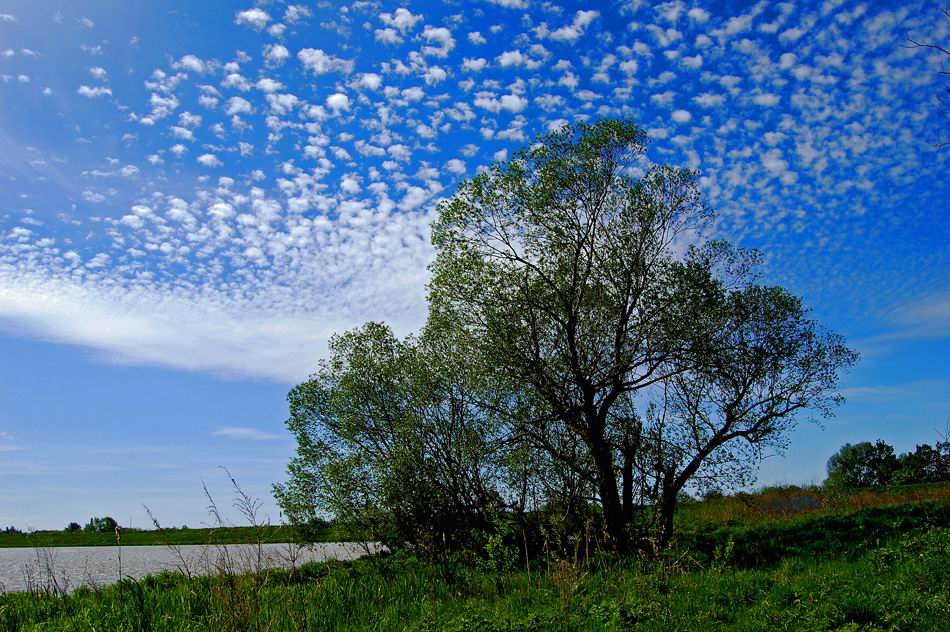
x: 62, y: 569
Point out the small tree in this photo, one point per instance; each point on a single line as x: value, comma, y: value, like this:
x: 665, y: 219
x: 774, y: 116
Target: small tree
x: 392, y: 441
x: 105, y: 524
x: 73, y: 527
x: 862, y: 465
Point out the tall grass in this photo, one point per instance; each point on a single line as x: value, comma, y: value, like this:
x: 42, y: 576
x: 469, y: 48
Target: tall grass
x: 881, y: 568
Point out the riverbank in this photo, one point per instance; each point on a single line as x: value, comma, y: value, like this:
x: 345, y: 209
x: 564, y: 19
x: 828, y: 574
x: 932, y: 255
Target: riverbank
x: 872, y: 569
x: 267, y: 534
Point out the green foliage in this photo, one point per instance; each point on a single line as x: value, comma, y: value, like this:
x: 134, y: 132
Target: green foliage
x: 73, y: 527
x: 105, y: 524
x: 395, y: 440
x: 873, y: 465
x: 926, y: 464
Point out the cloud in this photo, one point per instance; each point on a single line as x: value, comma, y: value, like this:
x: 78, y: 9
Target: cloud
x: 578, y: 26
x: 210, y: 160
x: 766, y: 99
x: 698, y: 15
x: 243, y: 432
x: 455, y: 166
x: 276, y: 54
x: 401, y: 19
x: 192, y: 63
x: 681, y: 116
x: 319, y: 62
x: 93, y: 92
x: 511, y: 4
x: 440, y: 36
x: 338, y: 102
x: 256, y: 18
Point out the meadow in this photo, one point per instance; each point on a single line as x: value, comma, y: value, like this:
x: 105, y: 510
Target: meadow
x: 760, y: 561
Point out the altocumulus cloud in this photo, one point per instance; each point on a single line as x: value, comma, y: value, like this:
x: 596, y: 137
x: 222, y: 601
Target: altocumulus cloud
x: 278, y: 194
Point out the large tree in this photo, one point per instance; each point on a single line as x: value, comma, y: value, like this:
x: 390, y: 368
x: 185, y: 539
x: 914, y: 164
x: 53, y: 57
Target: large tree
x: 585, y: 342
x: 582, y: 272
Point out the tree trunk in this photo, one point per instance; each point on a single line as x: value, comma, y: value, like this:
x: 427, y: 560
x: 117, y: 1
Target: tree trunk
x: 627, y: 482
x: 608, y: 492
x: 665, y: 508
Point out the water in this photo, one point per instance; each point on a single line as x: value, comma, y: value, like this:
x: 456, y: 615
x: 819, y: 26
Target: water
x: 62, y: 569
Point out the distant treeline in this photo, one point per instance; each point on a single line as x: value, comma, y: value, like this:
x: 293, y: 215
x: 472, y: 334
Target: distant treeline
x: 876, y: 464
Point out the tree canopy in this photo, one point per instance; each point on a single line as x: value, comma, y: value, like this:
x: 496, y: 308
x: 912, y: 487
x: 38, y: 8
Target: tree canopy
x: 587, y: 346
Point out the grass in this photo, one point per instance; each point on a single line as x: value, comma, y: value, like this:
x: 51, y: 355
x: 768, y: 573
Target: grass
x: 878, y: 568
x: 214, y: 536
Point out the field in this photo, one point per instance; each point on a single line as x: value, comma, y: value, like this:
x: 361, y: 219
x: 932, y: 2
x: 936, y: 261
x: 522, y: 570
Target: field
x: 879, y: 567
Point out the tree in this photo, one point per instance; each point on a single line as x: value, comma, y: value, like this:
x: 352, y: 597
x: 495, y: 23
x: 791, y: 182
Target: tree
x: 585, y: 280
x: 721, y: 412
x: 73, y: 527
x: 105, y: 524
x: 585, y: 344
x: 392, y: 441
x: 862, y: 465
x: 926, y: 464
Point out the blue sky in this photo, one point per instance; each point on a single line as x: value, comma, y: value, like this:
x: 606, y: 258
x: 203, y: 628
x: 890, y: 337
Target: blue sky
x: 195, y: 196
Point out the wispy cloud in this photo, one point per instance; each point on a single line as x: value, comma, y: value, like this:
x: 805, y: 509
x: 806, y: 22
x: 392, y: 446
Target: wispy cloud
x: 242, y: 432
x: 6, y: 442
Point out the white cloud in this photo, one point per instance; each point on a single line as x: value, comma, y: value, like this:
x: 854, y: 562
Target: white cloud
x: 578, y: 26
x: 698, y: 15
x: 338, y: 102
x: 370, y: 81
x: 319, y: 63
x: 243, y: 432
x: 766, y: 99
x: 511, y: 4
x: 276, y: 54
x: 476, y: 38
x: 210, y: 160
x: 93, y: 92
x: 510, y: 102
x: 192, y: 63
x: 256, y: 18
x: 511, y: 58
x: 681, y: 116
x: 401, y: 19
x: 709, y: 100
x: 440, y: 36
x: 474, y: 65
x: 296, y: 13
x: 455, y: 166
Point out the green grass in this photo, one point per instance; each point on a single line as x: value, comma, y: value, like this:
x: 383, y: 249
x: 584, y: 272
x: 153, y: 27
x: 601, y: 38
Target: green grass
x: 219, y: 535
x: 880, y: 568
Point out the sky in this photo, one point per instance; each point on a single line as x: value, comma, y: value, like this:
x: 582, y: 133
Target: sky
x: 195, y: 196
